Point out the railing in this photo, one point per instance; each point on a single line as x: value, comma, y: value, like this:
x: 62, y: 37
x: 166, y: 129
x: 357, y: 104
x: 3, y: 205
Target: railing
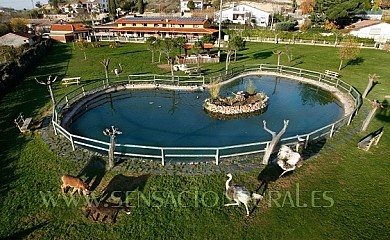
x: 215, y: 153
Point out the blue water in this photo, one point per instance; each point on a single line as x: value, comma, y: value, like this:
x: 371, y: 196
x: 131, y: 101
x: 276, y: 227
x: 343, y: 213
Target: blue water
x: 176, y: 118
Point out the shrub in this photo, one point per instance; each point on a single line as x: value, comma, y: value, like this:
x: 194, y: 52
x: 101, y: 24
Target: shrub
x: 285, y: 26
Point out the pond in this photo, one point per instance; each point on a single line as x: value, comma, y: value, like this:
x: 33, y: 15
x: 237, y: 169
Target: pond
x: 165, y: 118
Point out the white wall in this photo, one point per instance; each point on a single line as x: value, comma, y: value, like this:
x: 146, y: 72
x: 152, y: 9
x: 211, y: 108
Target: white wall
x: 243, y: 14
x: 379, y: 32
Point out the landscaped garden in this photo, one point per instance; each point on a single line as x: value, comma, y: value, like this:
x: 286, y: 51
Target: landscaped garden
x: 340, y: 193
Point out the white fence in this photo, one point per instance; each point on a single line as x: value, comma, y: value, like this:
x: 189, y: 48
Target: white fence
x: 215, y: 153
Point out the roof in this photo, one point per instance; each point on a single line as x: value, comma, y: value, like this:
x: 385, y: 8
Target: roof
x: 161, y: 20
x: 159, y: 29
x: 205, y: 46
x: 15, y: 39
x: 69, y: 27
x: 363, y: 24
x: 18, y: 35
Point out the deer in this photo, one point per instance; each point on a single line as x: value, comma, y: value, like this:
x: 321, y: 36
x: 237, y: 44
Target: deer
x: 74, y: 182
x: 105, y: 210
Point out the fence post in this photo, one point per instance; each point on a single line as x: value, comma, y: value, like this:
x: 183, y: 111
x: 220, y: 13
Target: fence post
x: 72, y: 142
x: 307, y: 140
x: 55, y: 128
x: 67, y: 101
x: 162, y: 157
x: 217, y: 156
x: 83, y: 91
x: 350, y: 118
x: 331, y: 131
x: 337, y: 83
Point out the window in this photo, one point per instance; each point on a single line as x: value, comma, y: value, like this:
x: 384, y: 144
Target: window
x: 145, y: 24
x: 134, y: 24
x: 164, y: 25
x: 156, y: 25
x: 195, y: 26
x: 123, y: 24
x: 181, y: 25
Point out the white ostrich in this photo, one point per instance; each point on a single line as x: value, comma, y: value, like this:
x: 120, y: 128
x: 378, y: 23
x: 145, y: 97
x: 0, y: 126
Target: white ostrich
x: 118, y: 70
x: 288, y: 160
x: 239, y: 194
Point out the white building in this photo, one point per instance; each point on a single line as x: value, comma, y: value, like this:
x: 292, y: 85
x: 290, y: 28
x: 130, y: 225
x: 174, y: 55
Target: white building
x: 377, y: 30
x: 17, y: 39
x: 184, y: 3
x: 95, y: 6
x: 244, y: 14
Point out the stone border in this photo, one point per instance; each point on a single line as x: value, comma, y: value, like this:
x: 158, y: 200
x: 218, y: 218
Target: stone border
x: 235, y: 110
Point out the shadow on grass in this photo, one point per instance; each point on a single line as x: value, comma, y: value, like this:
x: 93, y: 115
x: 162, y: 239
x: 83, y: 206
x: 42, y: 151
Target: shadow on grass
x: 356, y: 61
x: 262, y: 55
x: 120, y: 186
x: 383, y: 114
x: 25, y: 232
x: 94, y: 172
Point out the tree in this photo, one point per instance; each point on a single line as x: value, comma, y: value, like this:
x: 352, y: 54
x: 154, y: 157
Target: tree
x: 385, y: 4
x: 191, y: 5
x: 274, y: 141
x: 375, y: 105
x: 307, y: 6
x: 19, y: 24
x: 294, y: 5
x: 179, y: 43
x: 367, y: 5
x: 349, y: 50
x: 371, y: 83
x: 198, y: 45
x: 140, y: 6
x: 377, y: 5
x: 344, y: 9
x: 151, y: 45
x: 209, y: 38
x: 166, y: 47
x: 38, y: 4
x: 49, y: 83
x: 279, y: 54
x: 106, y: 63
x: 237, y: 43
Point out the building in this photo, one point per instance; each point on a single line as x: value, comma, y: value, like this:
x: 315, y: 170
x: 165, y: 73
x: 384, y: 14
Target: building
x: 191, y: 28
x: 17, y: 39
x: 377, y: 30
x: 370, y: 15
x: 184, y: 5
x: 94, y: 6
x: 69, y: 32
x: 244, y: 14
x: 39, y: 26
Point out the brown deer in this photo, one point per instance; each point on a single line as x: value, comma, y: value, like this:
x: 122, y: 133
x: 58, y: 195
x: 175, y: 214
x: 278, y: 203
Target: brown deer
x: 105, y: 210
x: 74, y: 182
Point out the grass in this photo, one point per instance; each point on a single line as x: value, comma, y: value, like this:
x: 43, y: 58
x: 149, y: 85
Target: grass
x: 346, y: 190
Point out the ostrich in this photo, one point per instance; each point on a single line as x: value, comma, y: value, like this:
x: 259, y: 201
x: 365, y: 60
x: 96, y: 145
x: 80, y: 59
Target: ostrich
x: 288, y: 160
x: 118, y: 70
x: 239, y: 194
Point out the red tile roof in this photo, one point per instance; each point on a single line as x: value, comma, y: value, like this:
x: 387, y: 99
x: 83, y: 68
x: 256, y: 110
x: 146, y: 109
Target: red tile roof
x: 170, y: 30
x: 69, y: 27
x: 205, y: 46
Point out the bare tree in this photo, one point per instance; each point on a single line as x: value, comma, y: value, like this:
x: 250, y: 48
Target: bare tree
x: 49, y: 82
x: 375, y: 105
x: 106, y: 63
x: 371, y: 82
x: 274, y: 141
x: 278, y: 53
x: 112, y: 134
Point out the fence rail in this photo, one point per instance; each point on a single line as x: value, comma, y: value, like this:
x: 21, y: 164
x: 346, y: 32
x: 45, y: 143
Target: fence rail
x: 215, y: 153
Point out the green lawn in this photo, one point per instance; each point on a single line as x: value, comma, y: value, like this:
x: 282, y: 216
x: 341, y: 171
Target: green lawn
x: 345, y: 190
